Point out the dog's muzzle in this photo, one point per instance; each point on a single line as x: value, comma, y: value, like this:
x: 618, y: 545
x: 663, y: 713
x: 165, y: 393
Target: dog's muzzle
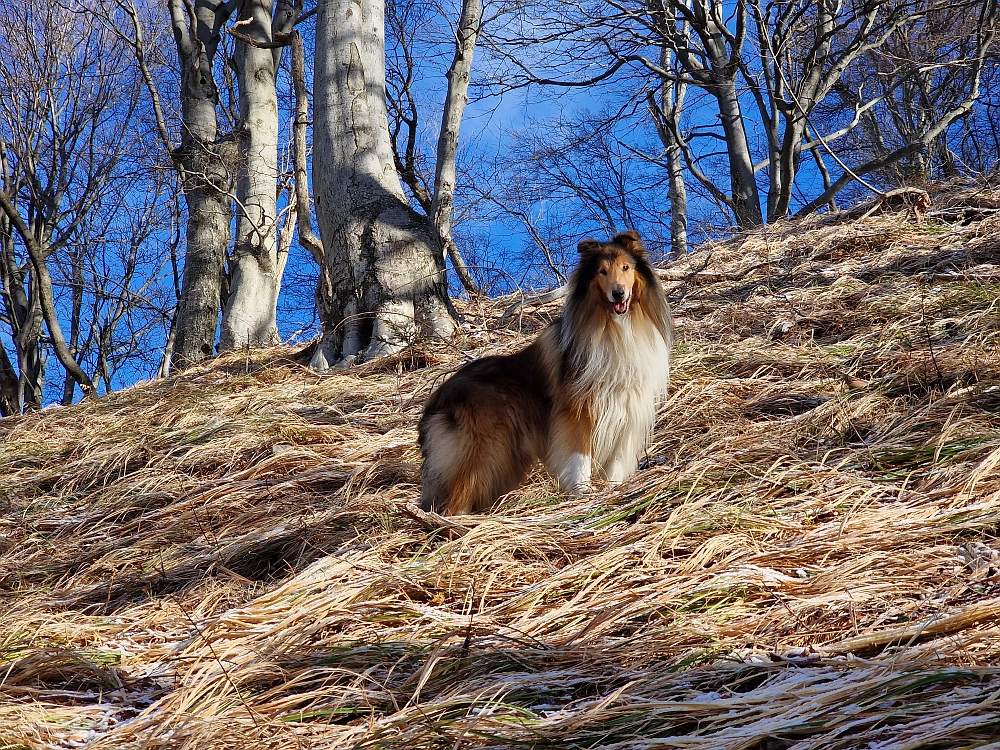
x: 619, y: 301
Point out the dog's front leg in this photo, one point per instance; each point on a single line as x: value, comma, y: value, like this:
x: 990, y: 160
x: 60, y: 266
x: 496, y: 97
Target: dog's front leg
x: 619, y: 470
x: 575, y: 475
x: 569, y: 456
x: 621, y: 465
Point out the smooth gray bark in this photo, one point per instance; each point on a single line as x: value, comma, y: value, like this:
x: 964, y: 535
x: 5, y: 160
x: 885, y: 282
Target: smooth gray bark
x: 256, y: 264
x: 386, y: 278
x: 666, y: 113
x: 677, y: 195
x: 206, y: 164
x: 459, y: 75
x: 743, y: 184
x: 250, y: 317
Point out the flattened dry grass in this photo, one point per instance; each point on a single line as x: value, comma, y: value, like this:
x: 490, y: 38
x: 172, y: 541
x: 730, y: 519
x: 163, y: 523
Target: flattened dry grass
x: 808, y: 558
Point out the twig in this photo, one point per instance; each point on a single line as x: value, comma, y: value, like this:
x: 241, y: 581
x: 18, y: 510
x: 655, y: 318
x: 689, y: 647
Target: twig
x: 432, y: 521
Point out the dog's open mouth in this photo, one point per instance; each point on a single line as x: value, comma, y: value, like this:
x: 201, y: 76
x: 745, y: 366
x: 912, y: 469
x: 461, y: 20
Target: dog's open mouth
x: 621, y: 307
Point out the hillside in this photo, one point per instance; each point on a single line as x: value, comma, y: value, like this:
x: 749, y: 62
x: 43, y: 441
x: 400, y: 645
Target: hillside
x: 230, y: 557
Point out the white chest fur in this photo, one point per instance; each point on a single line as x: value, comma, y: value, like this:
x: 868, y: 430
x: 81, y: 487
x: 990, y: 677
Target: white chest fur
x: 627, y: 370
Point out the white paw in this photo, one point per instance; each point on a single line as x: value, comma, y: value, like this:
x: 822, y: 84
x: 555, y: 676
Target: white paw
x: 575, y: 476
x: 618, y: 474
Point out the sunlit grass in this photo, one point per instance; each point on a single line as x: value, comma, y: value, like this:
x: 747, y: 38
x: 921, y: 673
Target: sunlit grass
x: 230, y: 558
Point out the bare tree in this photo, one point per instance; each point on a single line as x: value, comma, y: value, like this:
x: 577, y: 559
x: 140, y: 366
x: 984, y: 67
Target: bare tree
x: 921, y: 73
x: 709, y: 49
x: 787, y: 58
x: 303, y: 206
x: 406, y: 22
x: 936, y: 120
x: 647, y: 48
x: 575, y: 175
x: 976, y: 139
x: 250, y: 316
x: 67, y: 103
x: 445, y: 178
x: 110, y: 278
x: 22, y: 314
x: 666, y: 105
x: 790, y: 56
x: 221, y: 170
x: 384, y: 271
x: 206, y: 160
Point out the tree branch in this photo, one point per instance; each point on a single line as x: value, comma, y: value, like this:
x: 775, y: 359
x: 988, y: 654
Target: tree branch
x: 37, y: 256
x: 307, y: 238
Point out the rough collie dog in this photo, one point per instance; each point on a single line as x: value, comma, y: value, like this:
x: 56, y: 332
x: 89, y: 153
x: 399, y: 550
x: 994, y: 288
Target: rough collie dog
x: 581, y: 398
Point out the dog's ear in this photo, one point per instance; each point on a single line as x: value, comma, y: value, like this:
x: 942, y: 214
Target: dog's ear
x: 631, y: 242
x: 588, y: 246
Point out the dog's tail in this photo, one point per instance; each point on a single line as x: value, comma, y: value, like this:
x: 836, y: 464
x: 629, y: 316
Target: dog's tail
x: 449, y: 482
x: 471, y: 460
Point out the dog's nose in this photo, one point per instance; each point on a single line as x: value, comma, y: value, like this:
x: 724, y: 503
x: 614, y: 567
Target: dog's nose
x: 618, y: 294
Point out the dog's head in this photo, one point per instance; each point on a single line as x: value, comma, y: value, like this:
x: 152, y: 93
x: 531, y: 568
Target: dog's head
x: 613, y: 271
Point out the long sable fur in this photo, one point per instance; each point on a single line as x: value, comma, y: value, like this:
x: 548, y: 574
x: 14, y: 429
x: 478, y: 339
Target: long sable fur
x: 581, y: 398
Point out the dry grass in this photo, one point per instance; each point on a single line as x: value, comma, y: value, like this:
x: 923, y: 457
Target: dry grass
x: 229, y: 558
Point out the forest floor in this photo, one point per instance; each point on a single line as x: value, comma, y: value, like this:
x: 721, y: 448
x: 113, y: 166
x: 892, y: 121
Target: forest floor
x: 809, y: 557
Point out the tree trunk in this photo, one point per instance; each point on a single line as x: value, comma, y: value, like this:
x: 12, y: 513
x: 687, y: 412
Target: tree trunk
x: 206, y: 167
x: 31, y: 383
x: 746, y: 197
x: 384, y: 278
x: 787, y: 167
x: 824, y: 172
x: 9, y: 402
x: 303, y: 208
x: 168, y: 350
x: 209, y: 208
x: 666, y: 115
x: 250, y: 317
x: 451, y: 121
x: 25, y: 318
x: 677, y: 195
x: 76, y: 316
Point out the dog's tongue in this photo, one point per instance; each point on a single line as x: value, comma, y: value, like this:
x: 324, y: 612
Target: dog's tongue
x: 621, y: 307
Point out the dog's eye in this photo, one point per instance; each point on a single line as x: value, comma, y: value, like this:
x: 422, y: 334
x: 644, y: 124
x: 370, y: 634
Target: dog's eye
x: 624, y: 268
x: 603, y: 272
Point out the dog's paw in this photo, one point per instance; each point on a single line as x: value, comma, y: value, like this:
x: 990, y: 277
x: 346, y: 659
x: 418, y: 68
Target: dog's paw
x: 582, y: 489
